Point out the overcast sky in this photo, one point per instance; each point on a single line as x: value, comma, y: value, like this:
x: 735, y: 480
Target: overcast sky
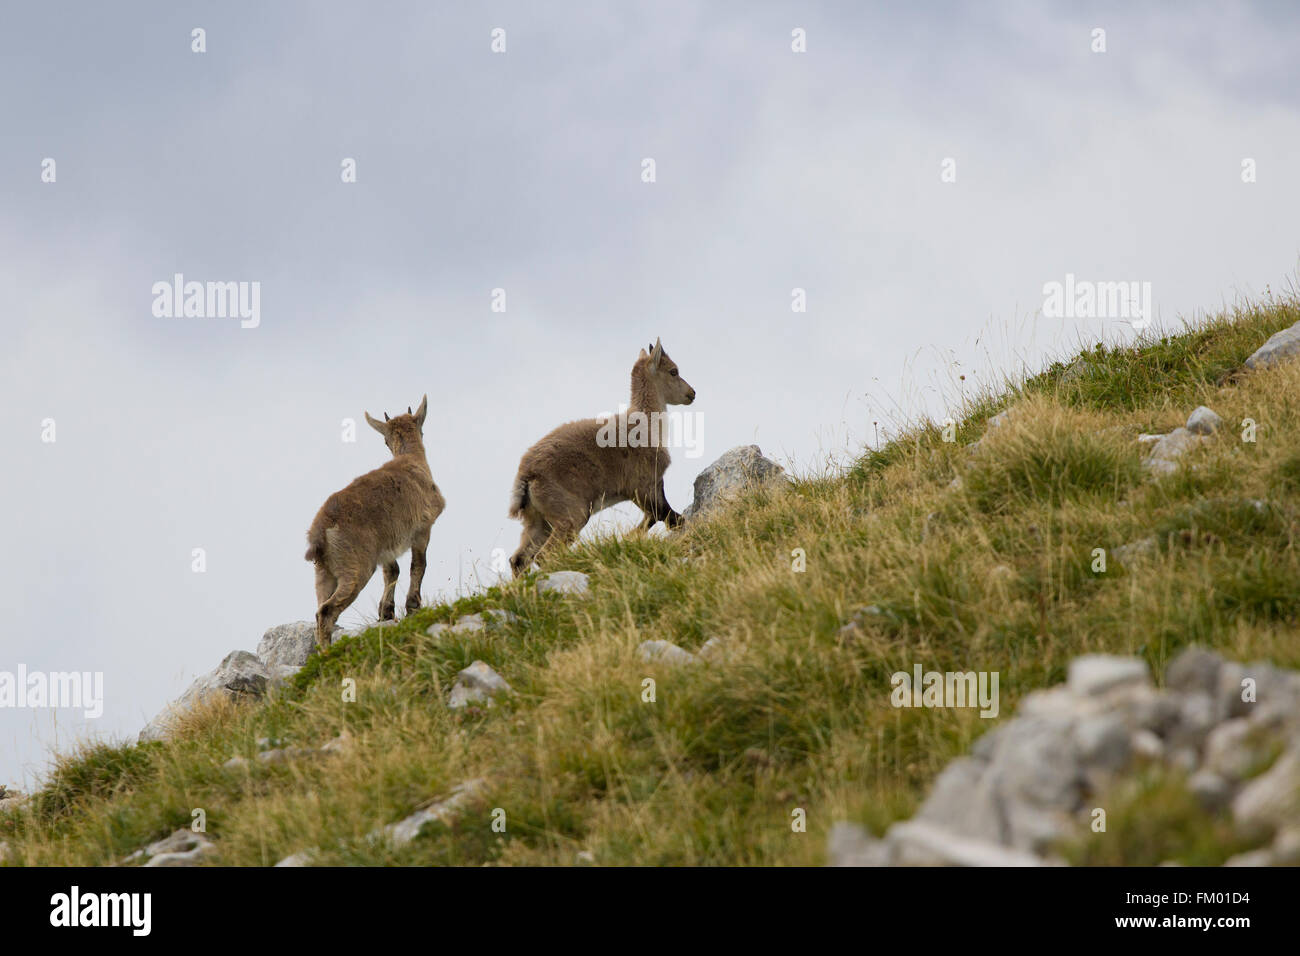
x: 523, y: 171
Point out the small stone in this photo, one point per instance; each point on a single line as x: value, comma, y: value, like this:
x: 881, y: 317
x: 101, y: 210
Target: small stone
x: 1197, y: 716
x: 851, y: 845
x: 1203, y: 421
x: 1253, y: 858
x: 1148, y: 745
x: 1077, y: 368
x: 236, y: 763
x: 1286, y: 847
x: 1228, y: 749
x: 1211, y: 791
x: 1126, y: 553
x: 302, y: 858
x: 563, y: 582
x: 923, y: 843
x: 342, y: 744
x: 1195, y: 669
x: 1273, y: 798
x: 664, y: 651
x: 181, y: 848
x: 445, y: 810
x: 1174, y: 445
x: 478, y: 683
x: 1094, y: 674
x: 1103, y: 742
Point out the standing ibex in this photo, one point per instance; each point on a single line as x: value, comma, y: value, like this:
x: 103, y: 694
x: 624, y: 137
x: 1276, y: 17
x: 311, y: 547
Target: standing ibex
x: 577, y: 470
x: 372, y: 522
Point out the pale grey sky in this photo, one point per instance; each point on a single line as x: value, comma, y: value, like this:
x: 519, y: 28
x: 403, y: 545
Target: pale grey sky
x: 522, y: 170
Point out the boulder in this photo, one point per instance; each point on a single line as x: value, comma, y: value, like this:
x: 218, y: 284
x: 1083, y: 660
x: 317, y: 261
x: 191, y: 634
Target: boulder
x: 742, y: 467
x: 239, y: 675
x: 287, y: 644
x: 1031, y: 781
x: 1280, y: 345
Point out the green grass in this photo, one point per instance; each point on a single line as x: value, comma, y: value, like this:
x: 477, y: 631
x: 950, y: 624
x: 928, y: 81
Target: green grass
x: 995, y: 575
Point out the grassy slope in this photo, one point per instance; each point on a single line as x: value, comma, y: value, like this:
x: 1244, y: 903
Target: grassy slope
x: 710, y: 772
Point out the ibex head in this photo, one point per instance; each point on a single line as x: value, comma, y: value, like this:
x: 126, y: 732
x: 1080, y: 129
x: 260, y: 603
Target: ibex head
x: 662, y: 370
x: 403, y: 433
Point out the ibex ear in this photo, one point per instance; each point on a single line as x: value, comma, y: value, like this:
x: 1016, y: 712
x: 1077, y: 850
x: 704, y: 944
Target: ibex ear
x: 656, y: 353
x: 422, y: 411
x: 377, y: 425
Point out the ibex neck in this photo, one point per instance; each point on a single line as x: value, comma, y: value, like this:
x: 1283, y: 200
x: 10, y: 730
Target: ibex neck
x: 645, y: 397
x: 411, y: 449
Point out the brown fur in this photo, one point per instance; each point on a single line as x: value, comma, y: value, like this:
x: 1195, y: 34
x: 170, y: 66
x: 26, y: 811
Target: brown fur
x: 567, y: 476
x: 372, y: 522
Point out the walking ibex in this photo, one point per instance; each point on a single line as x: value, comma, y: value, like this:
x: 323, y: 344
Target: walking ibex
x: 577, y: 470
x: 372, y: 522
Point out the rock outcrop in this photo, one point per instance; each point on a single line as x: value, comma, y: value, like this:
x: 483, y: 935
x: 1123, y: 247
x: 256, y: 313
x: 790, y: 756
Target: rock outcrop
x: 1030, y: 783
x: 240, y: 675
